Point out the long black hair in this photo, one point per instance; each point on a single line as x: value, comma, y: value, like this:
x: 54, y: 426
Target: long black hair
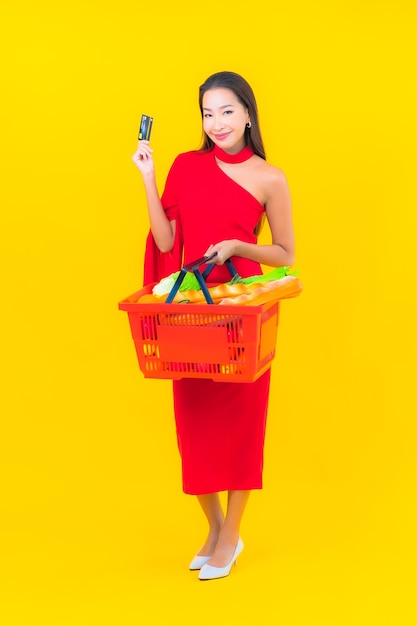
x: 244, y: 93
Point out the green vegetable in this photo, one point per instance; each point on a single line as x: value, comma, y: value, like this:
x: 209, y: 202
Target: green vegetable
x: 166, y: 284
x: 275, y: 274
x: 190, y: 283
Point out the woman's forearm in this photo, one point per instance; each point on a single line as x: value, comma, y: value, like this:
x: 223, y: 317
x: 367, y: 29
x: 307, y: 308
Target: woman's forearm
x: 163, y: 230
x: 273, y: 255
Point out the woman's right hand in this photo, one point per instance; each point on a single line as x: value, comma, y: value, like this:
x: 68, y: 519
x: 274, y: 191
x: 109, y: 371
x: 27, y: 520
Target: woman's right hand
x: 142, y: 158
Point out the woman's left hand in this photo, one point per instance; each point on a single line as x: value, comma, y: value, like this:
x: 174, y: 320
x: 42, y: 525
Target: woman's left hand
x: 225, y: 249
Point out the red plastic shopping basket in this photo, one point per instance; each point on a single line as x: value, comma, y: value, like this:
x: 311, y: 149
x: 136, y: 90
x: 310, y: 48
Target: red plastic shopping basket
x: 225, y: 343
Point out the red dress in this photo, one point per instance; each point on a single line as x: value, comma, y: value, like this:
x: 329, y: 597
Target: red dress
x: 220, y: 426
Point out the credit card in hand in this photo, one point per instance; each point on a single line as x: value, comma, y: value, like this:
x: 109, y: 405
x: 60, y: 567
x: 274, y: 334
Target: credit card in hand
x: 145, y: 127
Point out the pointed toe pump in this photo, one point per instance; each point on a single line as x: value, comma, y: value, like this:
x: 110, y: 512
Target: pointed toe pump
x: 209, y: 572
x: 198, y: 562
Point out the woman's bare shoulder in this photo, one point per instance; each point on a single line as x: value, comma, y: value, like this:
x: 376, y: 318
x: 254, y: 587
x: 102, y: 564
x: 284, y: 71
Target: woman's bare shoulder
x: 272, y: 176
x: 272, y: 171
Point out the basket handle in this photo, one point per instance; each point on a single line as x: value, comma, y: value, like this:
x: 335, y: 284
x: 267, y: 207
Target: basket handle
x: 201, y: 277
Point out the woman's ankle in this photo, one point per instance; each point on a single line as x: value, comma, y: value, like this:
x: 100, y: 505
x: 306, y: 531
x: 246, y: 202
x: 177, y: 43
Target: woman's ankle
x: 229, y: 536
x: 211, y: 541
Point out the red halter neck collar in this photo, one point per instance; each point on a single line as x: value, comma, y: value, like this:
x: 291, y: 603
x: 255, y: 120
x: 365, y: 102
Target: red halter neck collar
x: 241, y: 156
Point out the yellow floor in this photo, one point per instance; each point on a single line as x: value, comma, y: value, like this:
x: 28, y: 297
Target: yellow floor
x: 125, y: 562
x: 141, y: 585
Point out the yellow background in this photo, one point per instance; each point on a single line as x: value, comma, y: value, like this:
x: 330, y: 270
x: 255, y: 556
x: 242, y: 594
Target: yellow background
x: 94, y: 526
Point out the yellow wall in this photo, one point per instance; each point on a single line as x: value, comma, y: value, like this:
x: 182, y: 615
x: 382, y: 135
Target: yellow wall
x: 95, y: 527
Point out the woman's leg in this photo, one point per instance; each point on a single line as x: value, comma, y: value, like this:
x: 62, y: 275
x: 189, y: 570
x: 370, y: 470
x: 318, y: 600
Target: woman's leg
x: 210, y: 503
x: 230, y: 530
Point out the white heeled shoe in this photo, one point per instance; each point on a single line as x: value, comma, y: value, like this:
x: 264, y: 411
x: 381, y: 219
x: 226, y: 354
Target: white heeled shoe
x: 198, y: 562
x: 209, y: 572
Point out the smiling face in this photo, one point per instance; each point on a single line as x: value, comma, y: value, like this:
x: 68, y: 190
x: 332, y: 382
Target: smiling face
x: 225, y: 119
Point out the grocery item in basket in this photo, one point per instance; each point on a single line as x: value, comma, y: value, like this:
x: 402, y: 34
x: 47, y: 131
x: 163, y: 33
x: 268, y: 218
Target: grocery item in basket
x: 275, y: 274
x: 166, y: 284
x: 218, y: 292
x: 190, y: 282
x: 149, y: 298
x: 286, y: 287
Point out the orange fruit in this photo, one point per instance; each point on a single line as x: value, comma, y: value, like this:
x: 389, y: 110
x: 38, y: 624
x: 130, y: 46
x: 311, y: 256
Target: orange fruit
x: 148, y: 298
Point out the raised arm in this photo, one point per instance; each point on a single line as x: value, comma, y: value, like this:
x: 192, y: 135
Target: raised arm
x: 163, y: 230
